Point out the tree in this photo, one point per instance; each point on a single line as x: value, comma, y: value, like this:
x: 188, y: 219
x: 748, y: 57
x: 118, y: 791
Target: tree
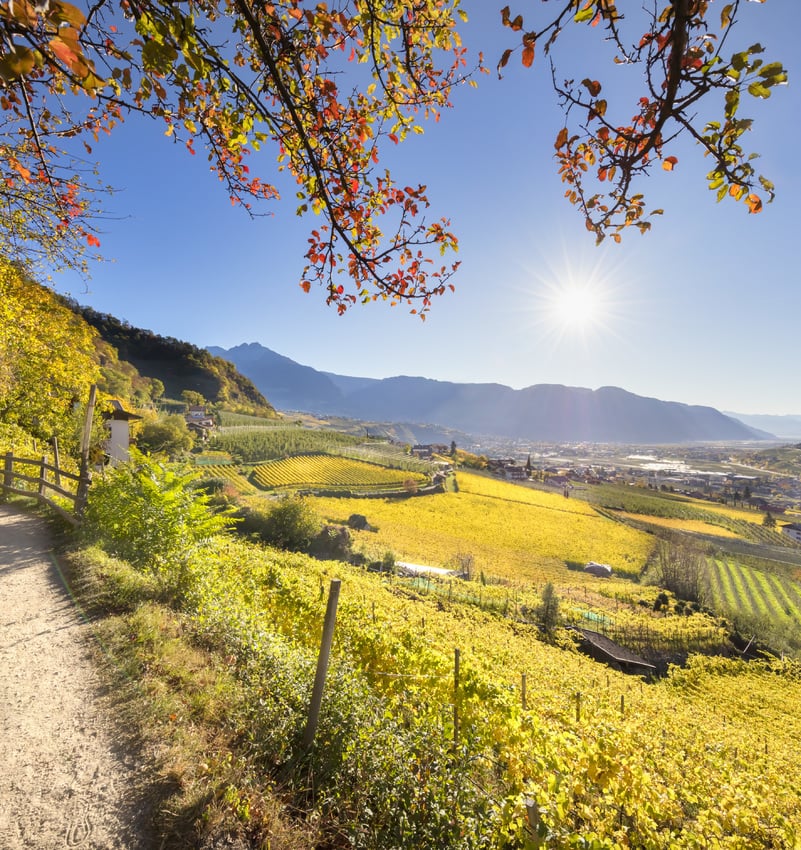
x: 167, y: 435
x: 326, y: 86
x: 149, y: 515
x: 329, y: 85
x: 47, y: 359
x: 681, y: 52
x: 769, y: 521
x: 681, y: 569
x: 192, y: 398
x: 547, y: 611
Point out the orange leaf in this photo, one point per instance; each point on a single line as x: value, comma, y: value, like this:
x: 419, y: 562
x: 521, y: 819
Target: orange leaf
x: 561, y: 139
x: 754, y: 203
x: 528, y: 55
x: 92, y: 240
x: 63, y: 51
x: 670, y: 163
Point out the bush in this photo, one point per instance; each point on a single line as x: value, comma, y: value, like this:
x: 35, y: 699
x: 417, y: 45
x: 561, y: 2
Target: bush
x: 151, y: 516
x: 289, y: 524
x: 168, y: 435
x: 333, y: 543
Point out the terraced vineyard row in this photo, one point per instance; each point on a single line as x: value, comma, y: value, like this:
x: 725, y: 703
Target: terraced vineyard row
x: 386, y: 454
x: 229, y: 472
x: 332, y: 472
x: 739, y: 589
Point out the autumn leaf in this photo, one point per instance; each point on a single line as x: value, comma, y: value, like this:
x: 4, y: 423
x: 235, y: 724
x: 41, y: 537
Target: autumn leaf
x: 669, y: 163
x: 528, y: 55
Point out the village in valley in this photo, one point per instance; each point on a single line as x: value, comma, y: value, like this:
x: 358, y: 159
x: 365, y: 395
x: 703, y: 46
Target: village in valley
x: 711, y: 472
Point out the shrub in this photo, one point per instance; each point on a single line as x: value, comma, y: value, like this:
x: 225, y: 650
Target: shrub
x: 168, y: 435
x: 289, y: 524
x: 333, y: 543
x: 151, y: 516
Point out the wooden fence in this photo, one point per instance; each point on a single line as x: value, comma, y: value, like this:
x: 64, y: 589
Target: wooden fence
x: 41, y: 480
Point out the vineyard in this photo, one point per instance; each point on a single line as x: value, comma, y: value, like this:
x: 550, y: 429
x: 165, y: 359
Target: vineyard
x: 331, y: 472
x: 685, y: 514
x: 230, y: 474
x: 740, y: 589
x: 586, y: 758
x: 515, y: 533
x: 449, y: 720
x: 253, y: 444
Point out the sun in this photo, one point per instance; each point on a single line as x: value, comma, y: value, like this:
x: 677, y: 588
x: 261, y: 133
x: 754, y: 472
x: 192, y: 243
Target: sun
x: 576, y: 306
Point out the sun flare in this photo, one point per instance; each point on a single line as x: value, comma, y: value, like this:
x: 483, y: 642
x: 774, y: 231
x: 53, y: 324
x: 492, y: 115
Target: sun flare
x: 576, y: 307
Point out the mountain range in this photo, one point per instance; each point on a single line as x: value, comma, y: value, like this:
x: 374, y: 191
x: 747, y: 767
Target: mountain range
x: 541, y: 413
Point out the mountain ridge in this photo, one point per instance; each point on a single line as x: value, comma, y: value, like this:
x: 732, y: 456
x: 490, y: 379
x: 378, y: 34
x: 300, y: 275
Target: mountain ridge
x: 540, y: 412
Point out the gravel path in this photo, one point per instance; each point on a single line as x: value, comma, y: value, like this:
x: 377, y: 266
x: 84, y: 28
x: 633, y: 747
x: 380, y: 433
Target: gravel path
x: 68, y: 775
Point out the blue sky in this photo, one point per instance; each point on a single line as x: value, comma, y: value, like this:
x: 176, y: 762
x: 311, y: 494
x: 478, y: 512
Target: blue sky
x: 705, y: 309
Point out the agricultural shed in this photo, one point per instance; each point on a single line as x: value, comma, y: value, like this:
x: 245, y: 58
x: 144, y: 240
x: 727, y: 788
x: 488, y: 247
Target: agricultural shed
x: 606, y: 651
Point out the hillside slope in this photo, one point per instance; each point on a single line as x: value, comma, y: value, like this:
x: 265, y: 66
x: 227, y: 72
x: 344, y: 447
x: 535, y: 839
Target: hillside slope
x: 179, y: 365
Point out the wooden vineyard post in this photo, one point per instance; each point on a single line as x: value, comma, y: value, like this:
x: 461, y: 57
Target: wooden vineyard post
x: 523, y: 691
x: 456, y: 658
x: 578, y: 707
x: 322, y: 663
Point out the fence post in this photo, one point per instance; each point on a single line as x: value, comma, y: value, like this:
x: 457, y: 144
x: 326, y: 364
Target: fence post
x: 322, y: 663
x: 523, y: 691
x: 8, y: 470
x: 456, y: 657
x: 56, y: 461
x: 42, y: 476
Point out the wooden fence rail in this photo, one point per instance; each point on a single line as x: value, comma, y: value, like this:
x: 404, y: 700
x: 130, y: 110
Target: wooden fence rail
x: 42, y: 478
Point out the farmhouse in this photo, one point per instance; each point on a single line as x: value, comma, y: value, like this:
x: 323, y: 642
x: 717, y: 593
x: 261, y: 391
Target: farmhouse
x: 199, y: 421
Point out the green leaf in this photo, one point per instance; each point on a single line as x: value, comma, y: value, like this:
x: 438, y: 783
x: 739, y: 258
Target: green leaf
x: 158, y: 57
x: 758, y: 89
x: 17, y: 62
x: 585, y: 14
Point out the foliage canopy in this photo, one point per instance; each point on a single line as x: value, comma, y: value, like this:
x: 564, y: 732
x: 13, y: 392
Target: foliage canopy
x: 47, y: 359
x: 328, y: 85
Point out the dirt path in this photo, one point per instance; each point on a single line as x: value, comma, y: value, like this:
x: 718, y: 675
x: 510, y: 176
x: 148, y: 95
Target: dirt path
x: 66, y: 779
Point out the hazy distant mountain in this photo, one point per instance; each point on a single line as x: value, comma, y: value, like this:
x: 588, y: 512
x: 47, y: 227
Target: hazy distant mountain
x: 545, y: 412
x: 785, y: 427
